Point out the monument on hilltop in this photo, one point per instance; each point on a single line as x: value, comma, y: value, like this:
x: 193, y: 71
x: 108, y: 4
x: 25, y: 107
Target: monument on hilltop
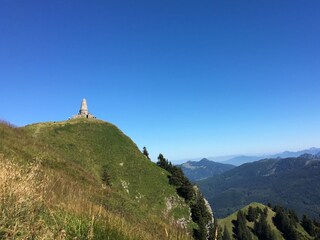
x: 83, y: 113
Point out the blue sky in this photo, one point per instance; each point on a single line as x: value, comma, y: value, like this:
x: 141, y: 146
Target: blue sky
x: 184, y: 78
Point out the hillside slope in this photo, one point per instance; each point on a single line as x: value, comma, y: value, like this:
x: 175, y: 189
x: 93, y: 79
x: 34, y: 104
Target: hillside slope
x: 69, y: 159
x: 229, y: 223
x: 290, y: 182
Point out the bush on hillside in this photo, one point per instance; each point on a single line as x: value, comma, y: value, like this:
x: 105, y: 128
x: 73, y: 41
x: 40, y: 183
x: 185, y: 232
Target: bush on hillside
x: 105, y: 176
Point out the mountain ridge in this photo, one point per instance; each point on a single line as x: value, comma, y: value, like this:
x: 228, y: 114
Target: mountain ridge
x: 292, y: 182
x: 245, y: 159
x: 238, y: 159
x: 199, y: 170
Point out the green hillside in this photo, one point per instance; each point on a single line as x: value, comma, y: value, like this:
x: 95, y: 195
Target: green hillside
x: 229, y: 224
x: 65, y: 162
x: 228, y: 221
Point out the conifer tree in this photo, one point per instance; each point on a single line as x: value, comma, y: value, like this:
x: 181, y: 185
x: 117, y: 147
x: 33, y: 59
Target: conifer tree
x: 226, y: 235
x: 285, y: 224
x: 252, y: 214
x: 241, y: 230
x: 265, y: 211
x: 162, y: 162
x: 145, y: 152
x: 262, y: 229
x: 293, y: 217
x: 308, y: 225
x: 201, y: 216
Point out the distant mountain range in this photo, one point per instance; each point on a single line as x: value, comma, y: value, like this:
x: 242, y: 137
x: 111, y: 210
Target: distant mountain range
x: 198, y: 170
x: 238, y: 160
x: 291, y: 182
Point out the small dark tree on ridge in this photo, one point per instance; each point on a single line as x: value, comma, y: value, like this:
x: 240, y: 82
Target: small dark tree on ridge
x: 145, y: 152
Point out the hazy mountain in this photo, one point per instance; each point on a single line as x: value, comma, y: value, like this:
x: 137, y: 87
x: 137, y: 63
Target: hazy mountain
x: 197, y: 170
x: 238, y: 160
x: 291, y: 182
x: 222, y: 158
x: 214, y: 159
x: 286, y: 154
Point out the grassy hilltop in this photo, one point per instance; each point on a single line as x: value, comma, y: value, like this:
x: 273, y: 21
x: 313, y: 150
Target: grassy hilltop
x: 54, y: 171
x: 229, y: 224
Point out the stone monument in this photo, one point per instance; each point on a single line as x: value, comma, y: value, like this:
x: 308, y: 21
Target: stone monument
x: 83, y: 113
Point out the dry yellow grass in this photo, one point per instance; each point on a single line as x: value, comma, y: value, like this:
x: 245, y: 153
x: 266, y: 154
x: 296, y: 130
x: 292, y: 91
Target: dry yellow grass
x: 76, y: 199
x: 37, y: 206
x: 21, y: 202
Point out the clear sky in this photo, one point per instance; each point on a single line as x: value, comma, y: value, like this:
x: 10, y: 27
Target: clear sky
x: 184, y: 78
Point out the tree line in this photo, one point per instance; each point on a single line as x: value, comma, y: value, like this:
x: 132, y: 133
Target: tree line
x: 287, y: 221
x: 193, y: 197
